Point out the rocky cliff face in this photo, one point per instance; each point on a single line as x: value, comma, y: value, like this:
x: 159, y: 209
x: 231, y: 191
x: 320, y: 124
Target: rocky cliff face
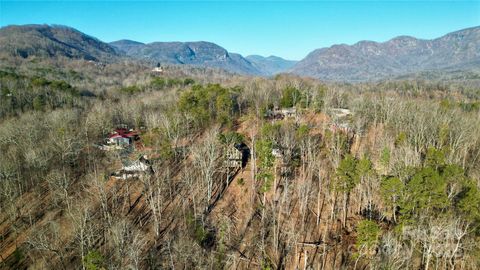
x: 192, y: 53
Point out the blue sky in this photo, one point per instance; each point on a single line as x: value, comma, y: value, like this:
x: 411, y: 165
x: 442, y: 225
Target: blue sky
x: 290, y: 29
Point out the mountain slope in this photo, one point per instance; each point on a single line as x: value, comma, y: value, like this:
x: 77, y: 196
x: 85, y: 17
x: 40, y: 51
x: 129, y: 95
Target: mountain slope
x: 52, y: 41
x: 367, y: 60
x: 192, y: 53
x: 126, y: 46
x: 270, y: 65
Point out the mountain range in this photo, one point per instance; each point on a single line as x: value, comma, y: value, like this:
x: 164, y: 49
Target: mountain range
x: 192, y: 53
x: 368, y: 60
x: 365, y: 60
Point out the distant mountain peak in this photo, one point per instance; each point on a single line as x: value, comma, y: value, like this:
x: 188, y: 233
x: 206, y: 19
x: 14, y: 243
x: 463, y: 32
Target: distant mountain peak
x: 52, y: 41
x: 272, y: 64
x: 197, y: 53
x: 369, y: 60
x: 127, y: 41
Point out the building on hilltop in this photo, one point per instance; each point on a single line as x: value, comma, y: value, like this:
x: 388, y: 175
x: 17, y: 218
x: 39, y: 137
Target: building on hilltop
x: 158, y: 69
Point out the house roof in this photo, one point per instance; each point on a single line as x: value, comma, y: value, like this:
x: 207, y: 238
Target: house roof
x: 123, y: 133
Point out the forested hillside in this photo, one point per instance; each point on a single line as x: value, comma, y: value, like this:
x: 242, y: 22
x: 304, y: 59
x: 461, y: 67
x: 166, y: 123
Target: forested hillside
x: 52, y: 41
x: 243, y: 172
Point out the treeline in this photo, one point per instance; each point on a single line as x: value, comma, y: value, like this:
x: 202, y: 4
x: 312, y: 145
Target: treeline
x: 157, y: 83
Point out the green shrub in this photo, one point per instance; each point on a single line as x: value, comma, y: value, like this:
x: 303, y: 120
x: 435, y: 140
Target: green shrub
x: 201, y: 234
x: 93, y: 260
x: 231, y: 137
x: 241, y: 181
x: 290, y: 97
x: 130, y: 90
x: 368, y: 234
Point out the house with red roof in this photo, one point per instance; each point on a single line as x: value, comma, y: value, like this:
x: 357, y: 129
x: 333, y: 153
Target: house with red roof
x: 122, y: 137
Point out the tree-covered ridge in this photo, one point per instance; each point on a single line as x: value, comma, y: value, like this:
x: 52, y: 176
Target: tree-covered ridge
x: 53, y: 41
x: 20, y: 93
x: 210, y: 103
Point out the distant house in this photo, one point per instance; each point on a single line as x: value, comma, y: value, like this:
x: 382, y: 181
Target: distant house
x: 279, y: 114
x: 288, y: 112
x: 233, y: 158
x: 98, y: 64
x: 157, y: 70
x: 283, y: 158
x: 340, y: 112
x: 237, y: 156
x: 135, y: 169
x: 122, y: 137
x: 140, y: 165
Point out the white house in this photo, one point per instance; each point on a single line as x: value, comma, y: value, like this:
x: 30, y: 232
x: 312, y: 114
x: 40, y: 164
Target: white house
x: 340, y: 112
x: 135, y: 169
x: 157, y: 70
